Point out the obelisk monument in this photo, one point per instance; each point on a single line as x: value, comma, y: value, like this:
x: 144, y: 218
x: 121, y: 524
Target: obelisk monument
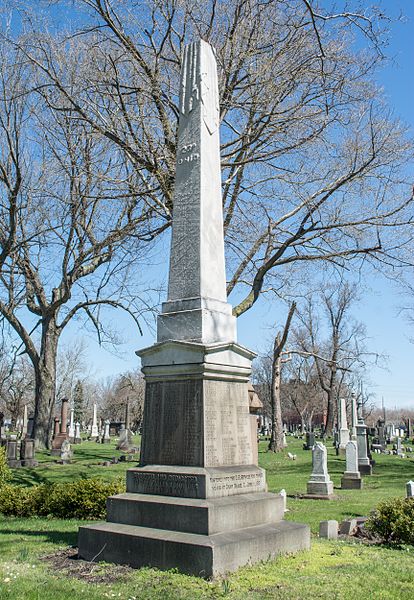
x: 197, y: 502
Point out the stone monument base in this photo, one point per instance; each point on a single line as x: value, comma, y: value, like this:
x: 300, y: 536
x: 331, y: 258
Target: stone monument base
x: 199, y: 536
x: 351, y: 481
x: 319, y: 488
x: 365, y: 469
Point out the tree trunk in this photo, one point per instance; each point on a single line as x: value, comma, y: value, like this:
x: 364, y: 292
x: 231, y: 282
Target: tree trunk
x: 45, y: 385
x: 276, y: 437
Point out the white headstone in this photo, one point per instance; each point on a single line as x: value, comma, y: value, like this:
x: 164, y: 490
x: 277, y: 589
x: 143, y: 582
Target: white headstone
x: 24, y: 423
x: 410, y: 489
x: 354, y: 415
x: 106, y: 438
x: 351, y: 453
x: 343, y: 438
x: 71, y: 430
x: 77, y: 433
x: 65, y: 451
x: 320, y: 483
x: 94, y: 427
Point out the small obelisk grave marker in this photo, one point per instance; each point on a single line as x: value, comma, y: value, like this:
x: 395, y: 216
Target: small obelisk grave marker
x: 197, y: 502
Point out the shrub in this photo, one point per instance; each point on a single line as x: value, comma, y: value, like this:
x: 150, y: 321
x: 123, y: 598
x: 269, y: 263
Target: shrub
x: 83, y: 499
x: 393, y: 521
x: 5, y: 471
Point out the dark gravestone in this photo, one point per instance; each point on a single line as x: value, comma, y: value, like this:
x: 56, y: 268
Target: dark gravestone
x: 27, y: 453
x: 309, y: 441
x: 12, y: 448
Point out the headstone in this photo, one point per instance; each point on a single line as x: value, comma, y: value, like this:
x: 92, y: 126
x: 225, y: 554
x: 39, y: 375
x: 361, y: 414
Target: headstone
x: 348, y: 527
x: 343, y: 431
x: 25, y: 422
x: 320, y: 483
x: 410, y: 489
x: 71, y: 432
x: 399, y: 450
x: 354, y: 416
x: 351, y: 479
x: 196, y: 440
x: 65, y: 451
x: 27, y: 453
x: 12, y: 447
x: 310, y: 441
x: 78, y: 438
x: 364, y: 464
x: 94, y: 427
x: 328, y: 529
x: 125, y: 440
x: 62, y: 434
x: 106, y: 437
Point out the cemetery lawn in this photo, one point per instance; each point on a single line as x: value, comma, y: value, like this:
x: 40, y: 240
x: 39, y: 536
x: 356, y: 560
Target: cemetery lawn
x: 35, y: 560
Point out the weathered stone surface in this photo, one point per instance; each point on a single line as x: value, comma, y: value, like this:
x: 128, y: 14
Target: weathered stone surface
x: 351, y: 479
x: 196, y: 402
x: 320, y: 483
x: 94, y: 433
x: 328, y: 529
x: 191, y: 553
x: 190, y: 515
x: 106, y: 438
x: 410, y: 489
x: 197, y: 306
x: 125, y: 440
x: 192, y: 482
x: 347, y: 527
x: 343, y: 432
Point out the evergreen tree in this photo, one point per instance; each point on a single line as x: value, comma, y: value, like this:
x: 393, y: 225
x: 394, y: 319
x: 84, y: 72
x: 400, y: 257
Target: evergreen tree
x: 78, y: 401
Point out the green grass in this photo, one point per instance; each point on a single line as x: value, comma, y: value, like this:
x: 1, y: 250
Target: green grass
x: 334, y: 570
x: 389, y: 478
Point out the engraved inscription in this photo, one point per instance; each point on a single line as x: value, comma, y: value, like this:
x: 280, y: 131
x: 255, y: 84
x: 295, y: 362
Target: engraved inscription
x: 167, y: 484
x: 239, y: 482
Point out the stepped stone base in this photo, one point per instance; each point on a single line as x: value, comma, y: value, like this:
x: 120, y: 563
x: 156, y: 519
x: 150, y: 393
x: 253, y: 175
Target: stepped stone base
x: 195, y: 554
x: 189, y: 515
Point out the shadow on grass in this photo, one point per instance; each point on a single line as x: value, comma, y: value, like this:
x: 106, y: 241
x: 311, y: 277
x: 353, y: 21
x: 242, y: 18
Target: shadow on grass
x: 69, y: 538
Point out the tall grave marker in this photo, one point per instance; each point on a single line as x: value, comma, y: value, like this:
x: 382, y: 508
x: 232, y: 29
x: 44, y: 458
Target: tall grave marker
x: 196, y: 502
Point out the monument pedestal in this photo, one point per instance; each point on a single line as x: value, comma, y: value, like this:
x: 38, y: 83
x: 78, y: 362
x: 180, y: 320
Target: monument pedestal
x: 351, y: 481
x: 197, y: 503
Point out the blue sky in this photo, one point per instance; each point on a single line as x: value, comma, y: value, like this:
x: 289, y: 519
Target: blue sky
x: 387, y: 330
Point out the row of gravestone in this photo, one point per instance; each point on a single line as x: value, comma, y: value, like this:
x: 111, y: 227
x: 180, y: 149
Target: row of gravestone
x: 20, y: 453
x: 320, y: 484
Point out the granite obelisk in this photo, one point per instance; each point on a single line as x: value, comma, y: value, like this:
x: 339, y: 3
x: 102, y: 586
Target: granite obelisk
x: 196, y: 502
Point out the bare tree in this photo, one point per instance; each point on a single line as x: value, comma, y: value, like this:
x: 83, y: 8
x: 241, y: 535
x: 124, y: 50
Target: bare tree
x: 342, y: 350
x: 311, y: 158
x: 128, y: 387
x: 76, y: 239
x: 301, y: 392
x: 16, y: 386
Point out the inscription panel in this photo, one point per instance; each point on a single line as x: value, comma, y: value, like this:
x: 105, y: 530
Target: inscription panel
x: 173, y: 432
x: 166, y: 484
x: 226, y: 424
